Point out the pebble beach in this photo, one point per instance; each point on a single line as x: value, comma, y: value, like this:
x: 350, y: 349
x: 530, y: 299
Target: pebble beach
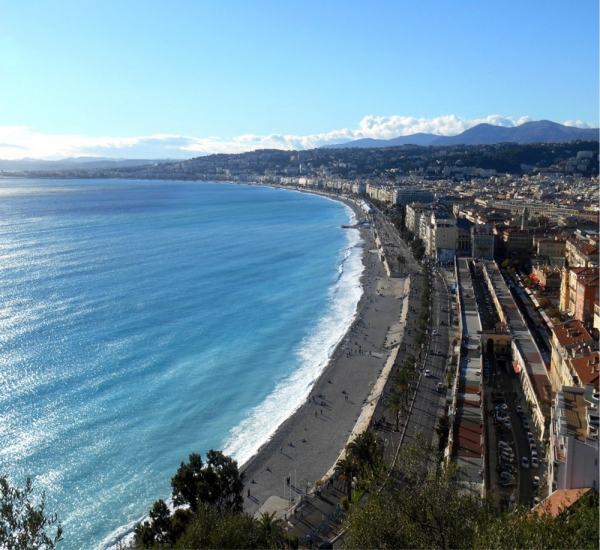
x: 308, y: 444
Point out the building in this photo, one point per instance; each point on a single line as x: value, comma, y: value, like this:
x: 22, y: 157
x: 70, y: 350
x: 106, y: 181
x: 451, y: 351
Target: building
x: 463, y: 237
x: 410, y: 196
x: 551, y: 248
x: 442, y: 243
x: 580, y: 292
x: 573, y: 457
x: 569, y: 341
x: 580, y: 253
x: 516, y: 240
x: 482, y: 242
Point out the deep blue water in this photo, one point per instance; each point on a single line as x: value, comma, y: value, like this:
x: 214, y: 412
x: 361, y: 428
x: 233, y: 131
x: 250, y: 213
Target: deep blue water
x: 142, y: 321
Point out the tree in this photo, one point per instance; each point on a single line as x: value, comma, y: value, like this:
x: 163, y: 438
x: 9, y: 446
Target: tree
x: 424, y: 505
x: 218, y: 483
x: 396, y: 403
x: 345, y: 469
x: 366, y: 450
x: 23, y: 520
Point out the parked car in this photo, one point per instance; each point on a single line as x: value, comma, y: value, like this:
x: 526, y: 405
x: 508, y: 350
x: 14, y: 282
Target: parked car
x: 506, y: 457
x: 534, y: 462
x: 503, y: 445
x: 507, y: 423
x: 509, y: 483
x: 525, y: 463
x: 525, y: 425
x: 440, y: 387
x: 427, y: 373
x: 536, y: 481
x: 506, y: 475
x: 536, y: 501
x: 520, y: 410
x: 530, y: 436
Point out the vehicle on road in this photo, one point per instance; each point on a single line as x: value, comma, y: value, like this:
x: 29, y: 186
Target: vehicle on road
x: 427, y: 373
x: 440, y: 387
x: 525, y: 463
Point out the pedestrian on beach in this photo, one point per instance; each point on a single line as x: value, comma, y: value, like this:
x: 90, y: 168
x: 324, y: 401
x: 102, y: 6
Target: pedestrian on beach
x: 248, y: 493
x: 281, y: 449
x: 321, y: 412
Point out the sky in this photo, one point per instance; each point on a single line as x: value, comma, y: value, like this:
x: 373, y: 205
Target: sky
x: 184, y: 78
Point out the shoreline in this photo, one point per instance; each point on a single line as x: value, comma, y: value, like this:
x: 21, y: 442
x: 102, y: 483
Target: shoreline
x: 307, y: 445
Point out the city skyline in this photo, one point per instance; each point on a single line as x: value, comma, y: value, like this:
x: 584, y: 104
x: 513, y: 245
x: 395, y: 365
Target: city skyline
x: 193, y: 78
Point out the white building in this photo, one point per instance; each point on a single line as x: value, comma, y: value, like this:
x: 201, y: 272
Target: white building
x: 573, y: 457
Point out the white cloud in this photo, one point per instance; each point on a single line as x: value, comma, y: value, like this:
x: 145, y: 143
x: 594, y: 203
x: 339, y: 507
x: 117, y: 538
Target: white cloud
x: 20, y: 141
x: 580, y: 124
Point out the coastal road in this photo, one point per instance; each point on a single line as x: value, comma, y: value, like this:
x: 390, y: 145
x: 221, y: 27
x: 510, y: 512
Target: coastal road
x: 430, y: 401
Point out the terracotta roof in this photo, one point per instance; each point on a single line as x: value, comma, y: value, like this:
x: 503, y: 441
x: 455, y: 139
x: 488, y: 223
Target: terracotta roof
x: 587, y: 368
x: 570, y: 333
x: 559, y: 500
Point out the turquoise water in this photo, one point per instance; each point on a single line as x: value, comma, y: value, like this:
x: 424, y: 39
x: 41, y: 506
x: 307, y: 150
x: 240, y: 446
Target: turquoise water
x: 142, y: 321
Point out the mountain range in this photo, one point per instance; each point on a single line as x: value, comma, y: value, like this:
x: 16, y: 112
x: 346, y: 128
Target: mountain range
x: 542, y: 131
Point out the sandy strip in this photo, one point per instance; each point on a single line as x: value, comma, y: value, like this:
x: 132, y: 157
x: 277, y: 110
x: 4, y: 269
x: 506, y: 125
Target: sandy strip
x: 308, y: 444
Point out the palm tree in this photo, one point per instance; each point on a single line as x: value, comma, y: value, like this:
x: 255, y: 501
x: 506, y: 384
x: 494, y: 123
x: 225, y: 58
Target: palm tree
x: 345, y: 469
x: 366, y: 451
x: 396, y: 402
x: 271, y: 530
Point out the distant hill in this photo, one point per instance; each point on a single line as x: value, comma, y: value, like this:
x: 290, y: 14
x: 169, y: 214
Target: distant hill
x: 81, y: 163
x: 542, y: 131
x: 413, y: 139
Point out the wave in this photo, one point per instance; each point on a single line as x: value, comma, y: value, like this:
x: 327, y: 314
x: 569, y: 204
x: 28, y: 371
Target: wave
x: 312, y: 356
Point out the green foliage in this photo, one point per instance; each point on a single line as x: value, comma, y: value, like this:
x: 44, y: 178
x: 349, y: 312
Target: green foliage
x: 443, y: 431
x: 218, y: 483
x: 215, y: 485
x: 425, y: 506
x: 346, y: 469
x: 23, y: 520
x: 366, y: 450
x: 212, y: 528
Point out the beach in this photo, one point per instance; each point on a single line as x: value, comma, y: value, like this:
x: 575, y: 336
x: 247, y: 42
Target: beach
x: 307, y: 445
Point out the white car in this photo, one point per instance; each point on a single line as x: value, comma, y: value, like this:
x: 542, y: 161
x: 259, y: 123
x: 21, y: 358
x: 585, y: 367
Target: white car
x: 536, y: 481
x: 427, y: 373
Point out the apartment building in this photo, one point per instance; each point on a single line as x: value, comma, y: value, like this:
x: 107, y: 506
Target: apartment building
x: 580, y: 253
x: 573, y: 457
x: 441, y: 244
x: 482, y: 242
x: 569, y: 341
x: 580, y: 292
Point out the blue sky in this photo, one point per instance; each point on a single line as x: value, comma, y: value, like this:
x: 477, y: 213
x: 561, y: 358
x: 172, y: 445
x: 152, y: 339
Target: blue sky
x: 177, y: 78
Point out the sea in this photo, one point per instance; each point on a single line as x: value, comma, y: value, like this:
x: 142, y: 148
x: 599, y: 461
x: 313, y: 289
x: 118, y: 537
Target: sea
x: 141, y: 321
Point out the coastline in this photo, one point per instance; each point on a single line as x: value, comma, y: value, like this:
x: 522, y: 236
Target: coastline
x: 307, y: 445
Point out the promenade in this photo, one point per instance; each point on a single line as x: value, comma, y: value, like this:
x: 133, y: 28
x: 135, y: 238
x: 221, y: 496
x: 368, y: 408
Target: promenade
x: 348, y: 398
